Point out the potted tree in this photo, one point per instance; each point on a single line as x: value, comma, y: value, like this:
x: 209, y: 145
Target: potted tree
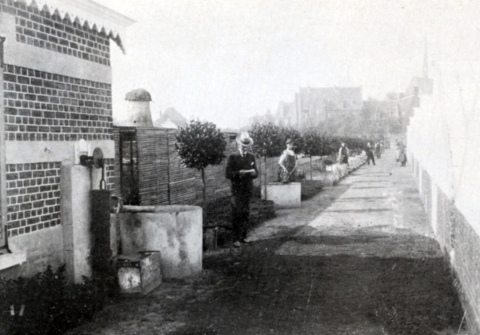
x: 270, y: 142
x: 199, y: 145
x: 267, y: 143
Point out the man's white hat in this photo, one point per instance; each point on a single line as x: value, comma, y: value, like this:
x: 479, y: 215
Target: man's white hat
x: 244, y: 139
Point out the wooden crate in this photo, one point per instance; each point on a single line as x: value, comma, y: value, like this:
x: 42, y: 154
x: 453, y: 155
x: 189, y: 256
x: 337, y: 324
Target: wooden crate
x: 140, y: 273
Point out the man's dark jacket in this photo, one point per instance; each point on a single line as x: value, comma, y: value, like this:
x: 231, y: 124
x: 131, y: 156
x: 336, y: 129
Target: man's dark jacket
x: 241, y: 185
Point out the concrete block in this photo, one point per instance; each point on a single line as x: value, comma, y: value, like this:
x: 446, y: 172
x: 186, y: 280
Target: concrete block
x: 341, y: 170
x: 176, y: 231
x: 9, y: 260
x: 36, y: 250
x: 284, y: 195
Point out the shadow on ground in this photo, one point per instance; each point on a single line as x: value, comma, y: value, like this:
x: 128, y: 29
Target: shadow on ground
x: 266, y: 293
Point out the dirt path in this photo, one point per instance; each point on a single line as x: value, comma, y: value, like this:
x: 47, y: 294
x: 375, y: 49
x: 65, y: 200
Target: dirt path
x: 358, y: 258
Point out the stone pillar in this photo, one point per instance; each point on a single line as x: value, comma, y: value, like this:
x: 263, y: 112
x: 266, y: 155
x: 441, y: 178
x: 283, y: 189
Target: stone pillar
x: 101, y: 229
x: 75, y: 211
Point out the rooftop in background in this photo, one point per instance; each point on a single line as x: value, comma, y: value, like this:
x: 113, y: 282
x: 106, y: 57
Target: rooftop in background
x: 170, y: 118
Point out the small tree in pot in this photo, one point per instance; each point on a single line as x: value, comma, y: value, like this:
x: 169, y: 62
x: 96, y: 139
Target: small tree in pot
x: 268, y: 142
x: 199, y: 145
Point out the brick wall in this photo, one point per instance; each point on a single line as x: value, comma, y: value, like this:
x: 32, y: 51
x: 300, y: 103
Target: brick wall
x: 110, y: 177
x: 47, y: 106
x: 456, y: 234
x: 35, y: 26
x: 467, y: 267
x: 51, y: 107
x: 33, y: 196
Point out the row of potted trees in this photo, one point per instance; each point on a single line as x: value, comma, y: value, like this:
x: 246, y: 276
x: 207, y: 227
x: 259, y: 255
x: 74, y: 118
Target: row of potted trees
x: 200, y: 144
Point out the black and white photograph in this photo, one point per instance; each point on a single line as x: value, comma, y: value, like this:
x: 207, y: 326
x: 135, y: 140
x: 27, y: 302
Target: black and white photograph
x: 239, y: 167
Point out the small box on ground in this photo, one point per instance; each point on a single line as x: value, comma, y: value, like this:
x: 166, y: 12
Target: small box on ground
x: 139, y: 274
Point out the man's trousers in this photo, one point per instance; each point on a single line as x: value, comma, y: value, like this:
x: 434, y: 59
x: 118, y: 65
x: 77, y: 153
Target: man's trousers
x: 240, y: 216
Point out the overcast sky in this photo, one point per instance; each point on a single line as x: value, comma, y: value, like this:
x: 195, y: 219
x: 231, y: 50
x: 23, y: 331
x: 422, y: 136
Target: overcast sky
x: 224, y: 61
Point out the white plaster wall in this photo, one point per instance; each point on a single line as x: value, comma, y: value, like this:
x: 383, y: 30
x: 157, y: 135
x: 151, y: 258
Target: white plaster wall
x: 42, y: 247
x: 20, y: 152
x: 444, y: 135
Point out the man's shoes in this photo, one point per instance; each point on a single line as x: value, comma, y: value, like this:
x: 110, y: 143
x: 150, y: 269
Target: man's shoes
x: 238, y: 244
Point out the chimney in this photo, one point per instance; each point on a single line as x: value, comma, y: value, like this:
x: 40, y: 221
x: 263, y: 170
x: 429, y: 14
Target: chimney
x: 139, y: 114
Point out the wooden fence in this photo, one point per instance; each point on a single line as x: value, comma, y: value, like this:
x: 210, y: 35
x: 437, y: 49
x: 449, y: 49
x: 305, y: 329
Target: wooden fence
x: 148, y: 169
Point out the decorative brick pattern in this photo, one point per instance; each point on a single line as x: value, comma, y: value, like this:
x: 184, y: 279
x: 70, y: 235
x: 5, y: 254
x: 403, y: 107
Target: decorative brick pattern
x: 33, y: 197
x: 37, y: 27
x: 51, y: 107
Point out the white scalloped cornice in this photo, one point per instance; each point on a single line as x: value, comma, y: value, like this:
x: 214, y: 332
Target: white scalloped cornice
x: 96, y: 16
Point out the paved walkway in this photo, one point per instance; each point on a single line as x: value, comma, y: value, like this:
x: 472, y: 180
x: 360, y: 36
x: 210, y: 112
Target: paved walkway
x: 358, y: 258
x: 376, y: 200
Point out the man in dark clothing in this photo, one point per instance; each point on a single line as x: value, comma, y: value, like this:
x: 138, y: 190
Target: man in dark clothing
x: 369, y: 152
x: 343, y: 154
x: 241, y: 170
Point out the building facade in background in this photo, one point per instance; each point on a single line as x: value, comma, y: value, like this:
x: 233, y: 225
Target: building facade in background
x: 313, y: 105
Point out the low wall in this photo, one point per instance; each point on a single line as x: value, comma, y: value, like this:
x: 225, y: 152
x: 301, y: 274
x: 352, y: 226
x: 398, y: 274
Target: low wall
x: 284, y: 195
x: 272, y: 168
x: 41, y: 248
x: 458, y: 239
x: 175, y: 231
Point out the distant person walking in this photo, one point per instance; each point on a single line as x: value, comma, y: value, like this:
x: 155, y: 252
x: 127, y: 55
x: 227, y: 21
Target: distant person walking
x: 241, y: 170
x: 378, y: 150
x: 402, y: 155
x: 369, y: 152
x: 397, y: 150
x: 287, y: 163
x: 343, y: 154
